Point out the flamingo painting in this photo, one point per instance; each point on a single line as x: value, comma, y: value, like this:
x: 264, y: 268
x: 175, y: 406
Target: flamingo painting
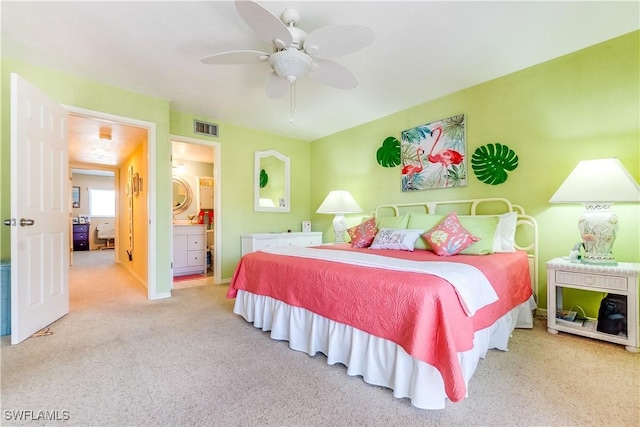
x: 442, y: 158
x: 411, y: 170
x: 444, y: 140
x: 445, y: 157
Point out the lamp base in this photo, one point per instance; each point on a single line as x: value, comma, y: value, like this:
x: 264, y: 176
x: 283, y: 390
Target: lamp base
x: 598, y: 227
x: 339, y: 227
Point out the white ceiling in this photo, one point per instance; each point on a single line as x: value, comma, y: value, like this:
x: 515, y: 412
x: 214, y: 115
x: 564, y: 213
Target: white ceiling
x: 423, y: 50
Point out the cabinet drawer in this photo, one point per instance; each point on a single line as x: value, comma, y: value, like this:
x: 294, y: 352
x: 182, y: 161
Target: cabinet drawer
x: 80, y: 236
x: 311, y: 241
x: 80, y: 228
x: 615, y: 283
x: 195, y: 242
x: 265, y: 243
x: 195, y: 258
x: 81, y: 245
x: 289, y: 241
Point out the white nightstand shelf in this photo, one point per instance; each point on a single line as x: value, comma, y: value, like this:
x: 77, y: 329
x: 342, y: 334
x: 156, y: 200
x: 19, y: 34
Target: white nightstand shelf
x: 621, y: 279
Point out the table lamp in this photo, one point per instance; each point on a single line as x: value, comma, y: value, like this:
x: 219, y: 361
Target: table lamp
x: 339, y: 202
x: 598, y: 184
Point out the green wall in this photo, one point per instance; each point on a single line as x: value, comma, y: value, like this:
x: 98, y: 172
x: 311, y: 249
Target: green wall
x: 76, y: 92
x: 237, y: 150
x: 238, y: 146
x: 581, y: 106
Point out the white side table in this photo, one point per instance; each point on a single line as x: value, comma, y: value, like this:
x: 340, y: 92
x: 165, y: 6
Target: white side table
x: 621, y: 279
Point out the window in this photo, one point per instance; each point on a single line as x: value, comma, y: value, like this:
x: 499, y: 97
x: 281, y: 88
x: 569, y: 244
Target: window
x: 102, y: 203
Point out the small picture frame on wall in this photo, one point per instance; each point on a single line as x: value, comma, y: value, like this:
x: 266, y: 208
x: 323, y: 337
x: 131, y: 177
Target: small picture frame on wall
x: 135, y: 184
x: 75, y: 197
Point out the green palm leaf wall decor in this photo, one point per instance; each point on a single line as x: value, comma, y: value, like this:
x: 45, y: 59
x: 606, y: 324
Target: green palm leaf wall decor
x: 492, y: 161
x: 388, y: 155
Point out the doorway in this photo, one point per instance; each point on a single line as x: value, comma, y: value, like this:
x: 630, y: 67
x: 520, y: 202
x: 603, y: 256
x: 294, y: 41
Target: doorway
x: 100, y: 141
x: 199, y: 151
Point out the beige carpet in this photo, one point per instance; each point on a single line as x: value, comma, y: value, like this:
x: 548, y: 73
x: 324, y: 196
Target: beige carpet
x: 118, y: 359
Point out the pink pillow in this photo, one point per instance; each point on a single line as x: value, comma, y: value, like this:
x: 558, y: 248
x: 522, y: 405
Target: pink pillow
x: 362, y: 235
x: 449, y: 237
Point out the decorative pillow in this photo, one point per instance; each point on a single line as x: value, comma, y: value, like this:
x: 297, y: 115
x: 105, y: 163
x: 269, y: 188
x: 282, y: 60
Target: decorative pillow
x: 449, y: 237
x: 483, y: 227
x: 362, y: 235
x: 391, y: 238
x: 505, y: 238
x: 424, y: 222
x: 396, y: 222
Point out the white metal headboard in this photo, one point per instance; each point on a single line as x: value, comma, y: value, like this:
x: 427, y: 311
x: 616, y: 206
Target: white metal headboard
x: 526, y: 228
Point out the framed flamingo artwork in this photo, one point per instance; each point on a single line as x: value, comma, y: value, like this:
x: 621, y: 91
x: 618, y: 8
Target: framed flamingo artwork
x: 434, y: 155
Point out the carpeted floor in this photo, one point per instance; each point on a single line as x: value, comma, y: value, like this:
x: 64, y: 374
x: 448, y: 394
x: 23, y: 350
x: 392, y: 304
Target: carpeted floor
x: 118, y: 359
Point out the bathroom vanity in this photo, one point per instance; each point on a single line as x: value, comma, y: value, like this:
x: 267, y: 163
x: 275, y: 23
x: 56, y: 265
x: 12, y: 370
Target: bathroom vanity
x: 189, y: 249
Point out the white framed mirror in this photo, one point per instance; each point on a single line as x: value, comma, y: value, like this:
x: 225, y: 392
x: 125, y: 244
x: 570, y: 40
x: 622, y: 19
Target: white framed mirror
x: 271, y: 182
x: 182, y: 194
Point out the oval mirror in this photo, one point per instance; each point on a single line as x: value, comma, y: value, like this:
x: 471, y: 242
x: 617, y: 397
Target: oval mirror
x: 182, y: 194
x: 271, y: 182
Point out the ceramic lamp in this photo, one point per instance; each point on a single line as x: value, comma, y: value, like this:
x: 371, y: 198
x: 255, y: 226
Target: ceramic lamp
x: 598, y: 184
x: 339, y: 202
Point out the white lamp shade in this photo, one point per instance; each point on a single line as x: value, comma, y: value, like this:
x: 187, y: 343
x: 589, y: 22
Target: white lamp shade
x: 339, y: 202
x: 600, y: 180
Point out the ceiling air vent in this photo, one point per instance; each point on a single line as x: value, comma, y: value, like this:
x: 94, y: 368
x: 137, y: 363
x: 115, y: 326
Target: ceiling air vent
x: 204, y: 128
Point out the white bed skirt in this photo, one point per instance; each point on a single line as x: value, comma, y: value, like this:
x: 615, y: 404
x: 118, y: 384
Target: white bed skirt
x: 379, y: 361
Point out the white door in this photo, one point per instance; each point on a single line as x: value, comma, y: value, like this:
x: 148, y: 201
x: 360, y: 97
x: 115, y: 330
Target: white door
x: 40, y: 209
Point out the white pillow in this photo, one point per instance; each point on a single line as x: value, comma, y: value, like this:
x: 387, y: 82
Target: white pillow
x: 395, y: 238
x: 505, y: 238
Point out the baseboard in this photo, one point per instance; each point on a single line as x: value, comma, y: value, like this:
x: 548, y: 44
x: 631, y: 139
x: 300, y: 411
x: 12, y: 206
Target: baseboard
x: 541, y: 312
x: 161, y: 296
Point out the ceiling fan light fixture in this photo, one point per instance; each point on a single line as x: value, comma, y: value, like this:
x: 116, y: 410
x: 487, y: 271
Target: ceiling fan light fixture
x: 290, y: 63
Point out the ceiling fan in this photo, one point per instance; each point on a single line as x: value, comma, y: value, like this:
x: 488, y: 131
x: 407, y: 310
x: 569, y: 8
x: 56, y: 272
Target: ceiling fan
x: 296, y: 54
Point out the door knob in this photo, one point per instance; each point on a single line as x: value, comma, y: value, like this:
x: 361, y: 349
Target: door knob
x: 24, y: 222
x: 10, y: 222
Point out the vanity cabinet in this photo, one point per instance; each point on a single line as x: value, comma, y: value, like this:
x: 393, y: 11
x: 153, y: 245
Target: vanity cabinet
x: 255, y: 242
x: 81, y: 237
x: 189, y: 250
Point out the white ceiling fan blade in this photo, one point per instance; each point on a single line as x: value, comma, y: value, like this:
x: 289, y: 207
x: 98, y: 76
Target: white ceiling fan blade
x: 264, y: 23
x: 276, y: 86
x: 333, y: 74
x: 236, y: 57
x: 338, y: 40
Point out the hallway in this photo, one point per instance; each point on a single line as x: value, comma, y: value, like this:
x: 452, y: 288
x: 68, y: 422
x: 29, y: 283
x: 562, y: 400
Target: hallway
x: 96, y: 280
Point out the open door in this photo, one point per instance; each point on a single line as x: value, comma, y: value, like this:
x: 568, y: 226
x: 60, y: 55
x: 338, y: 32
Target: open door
x: 40, y: 210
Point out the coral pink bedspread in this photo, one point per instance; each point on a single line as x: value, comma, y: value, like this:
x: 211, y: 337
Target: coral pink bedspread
x: 419, y: 312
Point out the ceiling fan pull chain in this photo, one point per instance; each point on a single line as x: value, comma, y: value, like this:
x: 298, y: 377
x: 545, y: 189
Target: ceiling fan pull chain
x: 293, y: 101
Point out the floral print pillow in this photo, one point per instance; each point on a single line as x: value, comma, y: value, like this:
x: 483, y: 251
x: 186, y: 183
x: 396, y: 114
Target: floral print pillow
x: 362, y: 235
x: 449, y: 237
x: 392, y: 238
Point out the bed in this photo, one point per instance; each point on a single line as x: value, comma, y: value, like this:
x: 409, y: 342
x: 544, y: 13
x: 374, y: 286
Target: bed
x: 411, y: 317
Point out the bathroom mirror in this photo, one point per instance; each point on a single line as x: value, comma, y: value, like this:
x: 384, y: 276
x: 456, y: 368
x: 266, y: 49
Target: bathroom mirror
x: 182, y: 194
x: 271, y: 182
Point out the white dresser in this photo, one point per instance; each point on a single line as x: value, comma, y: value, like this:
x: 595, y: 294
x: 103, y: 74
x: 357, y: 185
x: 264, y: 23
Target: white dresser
x: 189, y: 250
x: 257, y: 241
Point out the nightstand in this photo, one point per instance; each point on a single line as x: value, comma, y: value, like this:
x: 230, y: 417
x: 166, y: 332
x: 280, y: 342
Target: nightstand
x: 621, y: 279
